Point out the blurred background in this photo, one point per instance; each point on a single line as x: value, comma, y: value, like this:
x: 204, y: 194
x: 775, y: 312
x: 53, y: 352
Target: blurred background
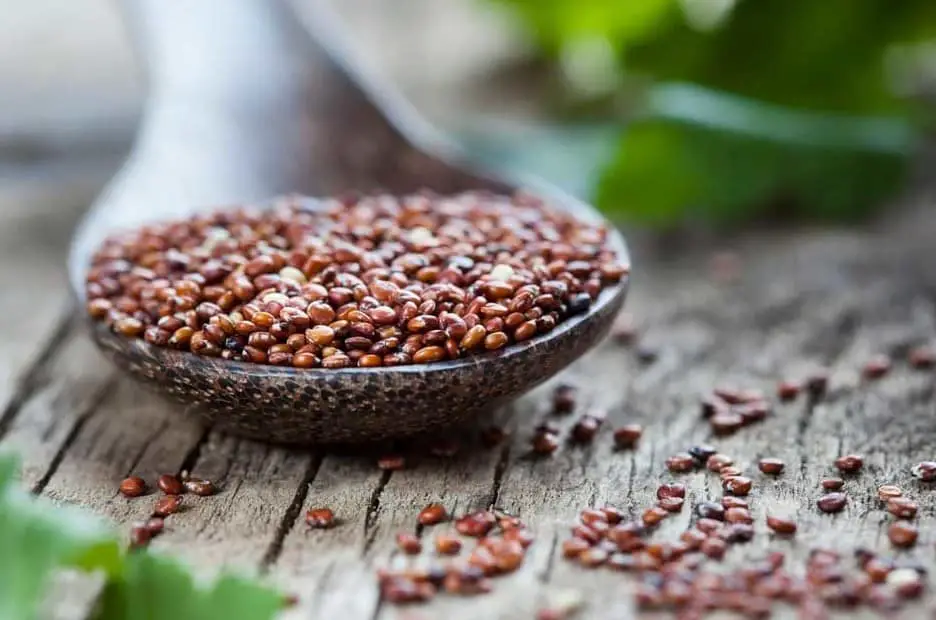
x: 662, y: 112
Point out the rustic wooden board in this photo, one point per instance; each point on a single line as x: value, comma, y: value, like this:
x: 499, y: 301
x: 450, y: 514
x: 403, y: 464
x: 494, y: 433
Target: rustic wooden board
x: 806, y: 298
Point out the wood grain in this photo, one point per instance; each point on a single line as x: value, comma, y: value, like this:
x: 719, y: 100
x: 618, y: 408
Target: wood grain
x: 817, y: 298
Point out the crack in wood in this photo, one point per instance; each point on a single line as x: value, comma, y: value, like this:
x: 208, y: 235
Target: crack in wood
x: 499, y: 470
x: 99, y: 398
x: 373, y: 510
x: 290, y: 516
x: 144, y: 446
x: 547, y: 572
x: 36, y: 375
x: 192, y: 456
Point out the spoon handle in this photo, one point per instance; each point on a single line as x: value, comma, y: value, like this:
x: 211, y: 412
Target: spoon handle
x: 287, y: 97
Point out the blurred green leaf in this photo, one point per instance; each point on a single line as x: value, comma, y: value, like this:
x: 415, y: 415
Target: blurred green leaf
x: 667, y: 169
x: 557, y: 23
x: 155, y: 588
x: 828, y: 55
x: 37, y: 537
x: 789, y: 101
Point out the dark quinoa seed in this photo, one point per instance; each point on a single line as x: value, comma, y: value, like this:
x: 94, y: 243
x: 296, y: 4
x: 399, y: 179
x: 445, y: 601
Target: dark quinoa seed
x: 627, y: 436
x: 849, y: 464
x: 350, y: 283
x: 832, y: 502
x: 876, y: 367
x: 925, y: 471
x: 922, y: 357
x: 545, y: 443
x: 788, y: 390
x: 564, y: 398
x: 585, y: 429
x: 711, y: 510
x: 817, y: 383
x: 493, y: 436
x: 702, y: 453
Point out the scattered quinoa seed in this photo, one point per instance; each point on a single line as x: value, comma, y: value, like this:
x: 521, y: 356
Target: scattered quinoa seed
x: 408, y: 543
x: 888, y: 492
x: 832, y: 502
x: 849, y: 464
x: 902, y: 534
x: 167, y: 505
x: 200, y: 486
x: 134, y: 486
x: 680, y: 463
x: 320, y: 518
x: 922, y: 357
x: 391, y: 462
x: 627, y: 436
x: 771, y: 466
x: 781, y: 526
x: 432, y: 514
x: 876, y: 367
x: 169, y: 484
x: 925, y: 471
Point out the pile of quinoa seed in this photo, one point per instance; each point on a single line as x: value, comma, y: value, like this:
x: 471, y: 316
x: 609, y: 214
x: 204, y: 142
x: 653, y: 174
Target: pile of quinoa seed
x: 371, y: 281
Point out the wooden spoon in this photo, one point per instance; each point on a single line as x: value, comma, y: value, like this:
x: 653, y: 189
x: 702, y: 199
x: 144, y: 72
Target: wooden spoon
x: 246, y: 102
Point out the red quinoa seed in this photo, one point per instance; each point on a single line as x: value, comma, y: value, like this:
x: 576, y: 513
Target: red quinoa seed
x: 320, y: 518
x: 250, y: 285
x: 627, y: 436
x: 849, y: 464
x: 771, y: 466
x: 832, y: 502
x: 134, y: 486
x: 408, y: 543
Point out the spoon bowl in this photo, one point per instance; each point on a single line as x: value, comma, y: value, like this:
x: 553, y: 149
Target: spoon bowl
x: 246, y: 104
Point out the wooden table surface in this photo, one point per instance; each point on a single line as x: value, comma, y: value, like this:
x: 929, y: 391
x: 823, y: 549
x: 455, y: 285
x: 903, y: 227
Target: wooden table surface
x: 805, y: 298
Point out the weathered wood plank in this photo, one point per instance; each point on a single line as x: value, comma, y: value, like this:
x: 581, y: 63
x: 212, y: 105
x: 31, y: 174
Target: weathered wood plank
x: 819, y: 299
x: 66, y: 389
x: 327, y: 569
x: 241, y: 525
x: 131, y: 433
x: 34, y: 292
